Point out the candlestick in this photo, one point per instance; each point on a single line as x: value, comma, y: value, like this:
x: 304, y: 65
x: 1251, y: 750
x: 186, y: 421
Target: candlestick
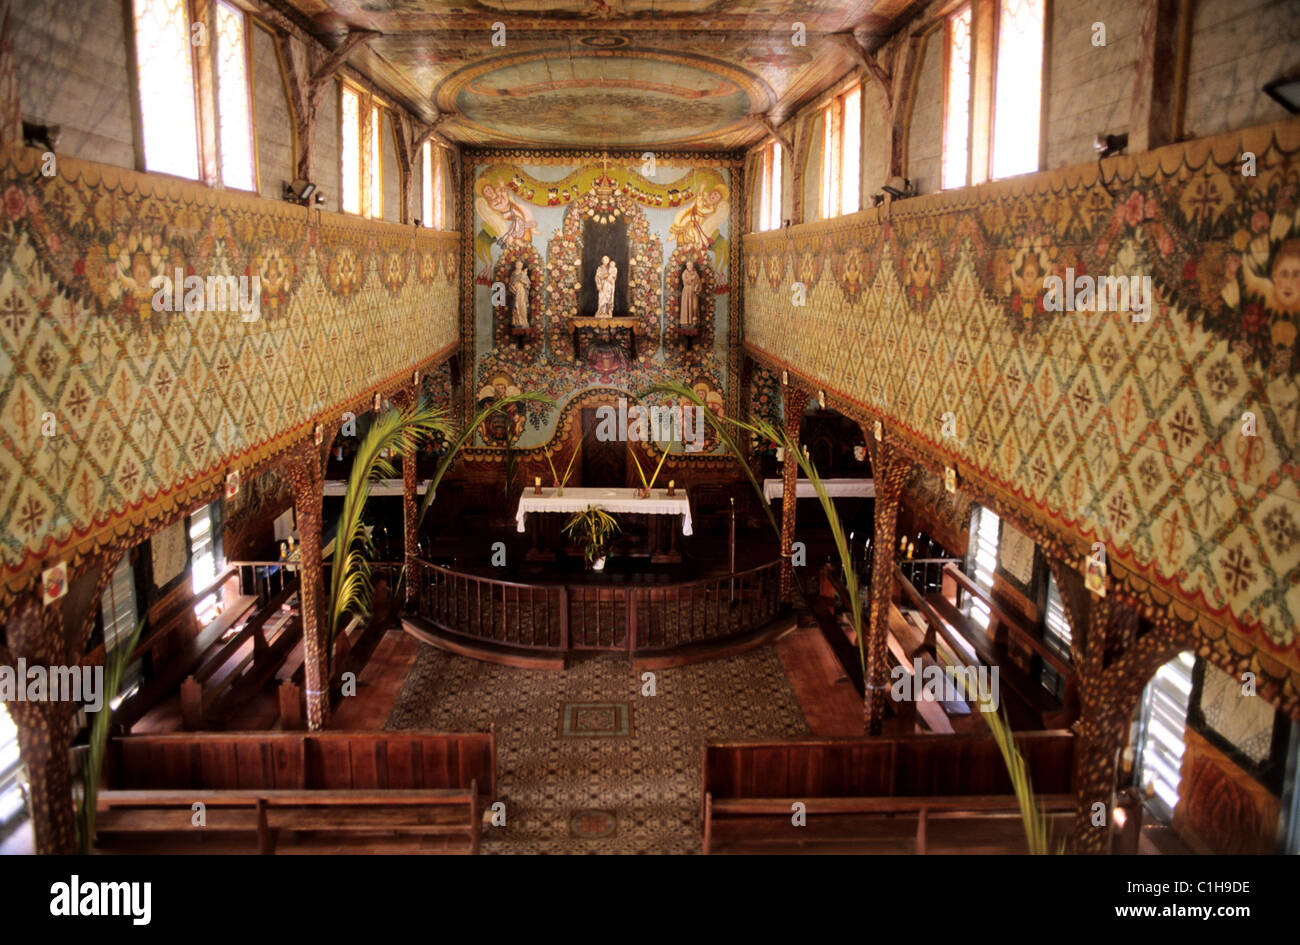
x: 537, y: 485
x: 671, y: 487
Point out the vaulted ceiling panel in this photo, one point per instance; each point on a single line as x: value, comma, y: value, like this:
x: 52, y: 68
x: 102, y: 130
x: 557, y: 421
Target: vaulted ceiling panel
x: 582, y: 73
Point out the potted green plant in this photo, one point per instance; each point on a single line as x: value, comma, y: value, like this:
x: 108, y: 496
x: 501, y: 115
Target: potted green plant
x: 595, y: 528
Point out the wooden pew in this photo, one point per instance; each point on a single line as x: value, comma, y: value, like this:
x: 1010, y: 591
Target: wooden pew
x: 236, y: 820
x: 911, y: 793
x: 223, y: 680
x: 390, y: 787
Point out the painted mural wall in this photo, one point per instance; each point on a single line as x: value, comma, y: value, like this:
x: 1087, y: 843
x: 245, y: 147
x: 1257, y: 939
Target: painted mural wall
x: 542, y: 226
x: 1172, y: 440
x: 114, y: 412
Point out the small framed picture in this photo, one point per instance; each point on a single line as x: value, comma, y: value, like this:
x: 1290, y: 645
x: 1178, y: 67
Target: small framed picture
x: 54, y: 582
x: 232, y: 483
x: 378, y: 400
x: 1094, y: 575
x: 950, y: 479
x: 318, y: 435
x: 880, y: 432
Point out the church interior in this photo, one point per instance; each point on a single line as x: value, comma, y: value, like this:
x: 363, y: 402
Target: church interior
x: 724, y: 426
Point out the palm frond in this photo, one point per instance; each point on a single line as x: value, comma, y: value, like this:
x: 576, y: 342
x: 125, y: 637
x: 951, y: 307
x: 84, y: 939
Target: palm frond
x: 395, y: 433
x: 568, y: 470
x: 722, y: 427
x: 115, y: 664
x: 1037, y: 830
x: 465, y: 435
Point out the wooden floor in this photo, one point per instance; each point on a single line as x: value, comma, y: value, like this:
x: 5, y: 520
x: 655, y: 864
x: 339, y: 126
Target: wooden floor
x: 828, y: 700
x: 378, y: 684
x: 831, y: 706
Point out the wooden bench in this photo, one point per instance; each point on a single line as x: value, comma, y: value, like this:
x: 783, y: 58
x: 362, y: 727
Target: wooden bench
x: 902, y: 794
x: 385, y: 787
x: 446, y: 820
x: 243, y: 665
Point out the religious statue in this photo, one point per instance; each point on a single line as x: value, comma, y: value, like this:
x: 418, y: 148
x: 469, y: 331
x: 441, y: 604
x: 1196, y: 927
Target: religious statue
x: 519, y: 285
x: 606, y: 276
x: 690, y: 296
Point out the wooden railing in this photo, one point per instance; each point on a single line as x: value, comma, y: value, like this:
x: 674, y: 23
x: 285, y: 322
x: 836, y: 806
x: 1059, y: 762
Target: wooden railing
x: 564, y: 618
x: 928, y: 574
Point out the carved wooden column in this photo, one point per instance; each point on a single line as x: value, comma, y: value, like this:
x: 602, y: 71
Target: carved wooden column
x: 303, y: 468
x: 889, y: 469
x: 410, y: 501
x: 35, y: 633
x: 1108, y: 694
x: 39, y: 635
x: 795, y: 401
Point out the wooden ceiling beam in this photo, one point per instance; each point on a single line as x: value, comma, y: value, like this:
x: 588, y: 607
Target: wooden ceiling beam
x: 772, y: 130
x: 334, y: 60
x: 849, y: 43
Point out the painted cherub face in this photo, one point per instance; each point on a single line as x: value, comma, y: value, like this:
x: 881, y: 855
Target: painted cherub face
x: 921, y: 268
x: 1286, y: 280
x: 1029, y: 275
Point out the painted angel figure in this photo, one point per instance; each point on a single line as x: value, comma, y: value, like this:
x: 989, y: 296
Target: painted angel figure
x: 520, y: 283
x: 606, y: 276
x: 690, y: 309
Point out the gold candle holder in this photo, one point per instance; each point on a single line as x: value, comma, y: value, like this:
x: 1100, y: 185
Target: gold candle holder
x: 537, y: 485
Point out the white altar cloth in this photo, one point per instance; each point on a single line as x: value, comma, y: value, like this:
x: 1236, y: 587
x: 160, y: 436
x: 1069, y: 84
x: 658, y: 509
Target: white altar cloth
x: 577, y: 498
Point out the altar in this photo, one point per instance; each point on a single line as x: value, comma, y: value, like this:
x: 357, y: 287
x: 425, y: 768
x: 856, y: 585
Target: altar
x: 658, y: 507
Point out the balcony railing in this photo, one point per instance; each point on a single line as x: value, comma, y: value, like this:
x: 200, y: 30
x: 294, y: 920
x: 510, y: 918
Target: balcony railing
x: 560, y: 619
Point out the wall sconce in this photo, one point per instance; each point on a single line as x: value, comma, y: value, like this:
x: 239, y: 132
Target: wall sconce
x: 44, y: 137
x: 1284, y: 90
x: 301, y: 191
x: 898, y: 187
x: 1107, y: 145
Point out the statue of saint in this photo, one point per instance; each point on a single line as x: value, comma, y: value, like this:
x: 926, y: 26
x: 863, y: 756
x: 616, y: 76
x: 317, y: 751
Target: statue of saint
x: 519, y: 285
x: 690, y: 296
x: 606, y: 276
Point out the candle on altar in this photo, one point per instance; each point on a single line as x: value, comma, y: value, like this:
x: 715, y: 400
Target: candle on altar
x: 537, y: 485
x: 671, y: 487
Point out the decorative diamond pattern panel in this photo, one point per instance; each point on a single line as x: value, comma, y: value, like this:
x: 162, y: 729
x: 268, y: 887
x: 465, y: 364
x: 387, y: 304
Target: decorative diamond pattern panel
x: 110, y: 406
x: 1172, y: 440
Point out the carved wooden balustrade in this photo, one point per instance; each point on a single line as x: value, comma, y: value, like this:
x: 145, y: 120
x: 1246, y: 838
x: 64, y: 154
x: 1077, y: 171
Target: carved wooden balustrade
x: 649, y: 619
